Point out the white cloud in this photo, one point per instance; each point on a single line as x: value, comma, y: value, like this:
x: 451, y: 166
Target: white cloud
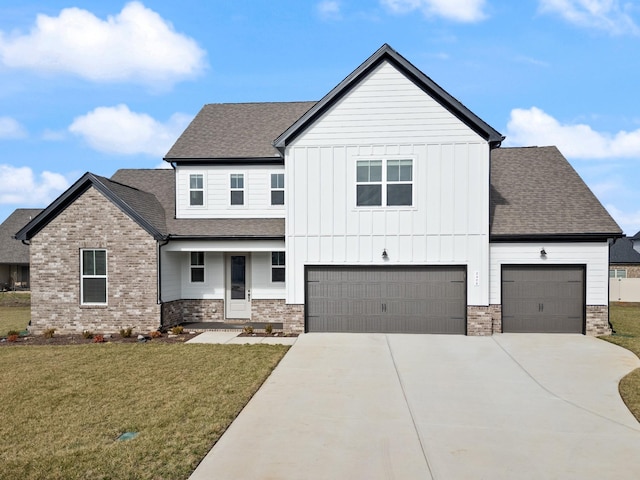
x: 119, y: 130
x: 329, y: 9
x: 609, y: 15
x: 629, y: 221
x: 20, y: 186
x: 11, y: 128
x: 135, y: 45
x: 467, y: 11
x: 535, y: 127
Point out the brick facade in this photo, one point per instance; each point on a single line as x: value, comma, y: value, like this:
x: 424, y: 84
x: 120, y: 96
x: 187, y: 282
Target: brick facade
x: 633, y: 271
x: 291, y: 316
x: 93, y: 222
x: 179, y: 311
x: 496, y: 318
x: 598, y: 320
x: 479, y: 321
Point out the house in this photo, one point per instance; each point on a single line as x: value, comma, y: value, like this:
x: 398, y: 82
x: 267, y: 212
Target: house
x: 624, y: 270
x: 387, y: 206
x: 14, y: 255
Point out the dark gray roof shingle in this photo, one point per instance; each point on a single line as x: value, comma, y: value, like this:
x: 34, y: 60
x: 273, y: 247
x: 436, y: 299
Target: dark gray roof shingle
x: 536, y: 192
x: 236, y: 130
x: 11, y: 250
x: 161, y: 183
x: 621, y: 251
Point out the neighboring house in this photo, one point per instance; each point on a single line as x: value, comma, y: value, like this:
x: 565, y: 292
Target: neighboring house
x: 624, y: 271
x: 14, y: 255
x: 387, y: 206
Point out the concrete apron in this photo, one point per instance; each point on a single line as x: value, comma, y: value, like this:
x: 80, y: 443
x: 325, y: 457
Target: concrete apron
x: 429, y: 406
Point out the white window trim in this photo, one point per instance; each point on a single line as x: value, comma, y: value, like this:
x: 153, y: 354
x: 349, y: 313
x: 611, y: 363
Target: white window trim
x: 281, y: 267
x: 243, y: 189
x: 105, y: 276
x: 383, y: 183
x: 271, y: 189
x: 204, y: 189
x: 203, y: 267
x: 616, y: 271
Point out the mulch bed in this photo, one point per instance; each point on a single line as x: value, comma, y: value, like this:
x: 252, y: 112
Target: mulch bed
x: 80, y: 340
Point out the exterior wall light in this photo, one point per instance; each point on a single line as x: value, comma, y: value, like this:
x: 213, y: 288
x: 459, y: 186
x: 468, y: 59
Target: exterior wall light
x: 385, y: 255
x: 543, y: 253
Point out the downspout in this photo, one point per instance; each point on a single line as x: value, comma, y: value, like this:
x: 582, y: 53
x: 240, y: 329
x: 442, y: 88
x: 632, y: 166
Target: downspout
x: 159, y: 281
x: 610, y: 243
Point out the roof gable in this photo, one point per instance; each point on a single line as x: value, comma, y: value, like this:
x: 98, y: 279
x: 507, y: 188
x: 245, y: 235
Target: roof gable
x: 388, y: 54
x: 141, y: 206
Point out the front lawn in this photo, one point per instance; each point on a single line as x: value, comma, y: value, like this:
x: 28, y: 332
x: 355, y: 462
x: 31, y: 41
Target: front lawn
x: 625, y: 318
x: 62, y: 408
x: 15, y: 311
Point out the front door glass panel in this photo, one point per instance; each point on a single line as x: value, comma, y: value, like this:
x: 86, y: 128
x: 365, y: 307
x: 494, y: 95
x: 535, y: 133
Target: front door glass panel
x: 238, y: 277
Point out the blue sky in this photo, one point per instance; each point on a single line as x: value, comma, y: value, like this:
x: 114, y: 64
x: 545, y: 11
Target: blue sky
x: 102, y: 85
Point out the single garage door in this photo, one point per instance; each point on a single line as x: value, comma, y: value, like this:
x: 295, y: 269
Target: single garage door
x: 386, y: 299
x: 543, y: 299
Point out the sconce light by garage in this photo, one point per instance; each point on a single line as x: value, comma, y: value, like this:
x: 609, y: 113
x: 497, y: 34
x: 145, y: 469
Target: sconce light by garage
x: 385, y: 255
x: 543, y: 253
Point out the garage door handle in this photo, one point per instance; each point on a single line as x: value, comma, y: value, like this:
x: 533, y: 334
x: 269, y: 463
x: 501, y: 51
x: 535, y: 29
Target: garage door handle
x: 541, y: 307
x: 384, y: 307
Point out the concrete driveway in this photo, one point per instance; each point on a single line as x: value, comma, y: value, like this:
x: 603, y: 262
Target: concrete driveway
x: 352, y: 406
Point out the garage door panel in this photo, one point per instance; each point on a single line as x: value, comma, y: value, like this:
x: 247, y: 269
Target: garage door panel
x: 386, y: 299
x: 543, y: 299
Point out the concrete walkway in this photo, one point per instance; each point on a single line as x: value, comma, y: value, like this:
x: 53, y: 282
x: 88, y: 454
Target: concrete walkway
x: 351, y: 406
x: 233, y: 338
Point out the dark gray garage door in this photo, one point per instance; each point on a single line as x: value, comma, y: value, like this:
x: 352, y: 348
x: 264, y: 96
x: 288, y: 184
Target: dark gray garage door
x: 386, y: 299
x: 543, y: 299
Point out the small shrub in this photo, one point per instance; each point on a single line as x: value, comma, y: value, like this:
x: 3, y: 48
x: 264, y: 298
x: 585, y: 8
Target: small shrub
x: 12, y: 338
x: 177, y: 330
x: 87, y: 334
x: 155, y: 334
x: 48, y: 333
x: 268, y: 328
x: 12, y: 332
x: 126, y: 332
x: 98, y: 339
x: 247, y: 329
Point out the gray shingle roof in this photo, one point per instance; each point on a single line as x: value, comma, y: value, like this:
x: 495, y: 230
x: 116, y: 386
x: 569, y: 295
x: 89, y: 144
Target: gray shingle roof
x: 161, y: 183
x: 11, y: 250
x: 621, y: 251
x: 536, y: 192
x: 236, y: 130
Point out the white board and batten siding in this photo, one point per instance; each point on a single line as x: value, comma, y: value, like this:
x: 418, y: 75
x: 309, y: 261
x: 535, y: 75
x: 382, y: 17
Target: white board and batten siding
x: 595, y: 255
x: 217, y: 197
x: 388, y: 117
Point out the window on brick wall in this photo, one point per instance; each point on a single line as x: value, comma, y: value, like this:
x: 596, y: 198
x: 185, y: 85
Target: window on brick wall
x: 617, y: 273
x: 93, y: 277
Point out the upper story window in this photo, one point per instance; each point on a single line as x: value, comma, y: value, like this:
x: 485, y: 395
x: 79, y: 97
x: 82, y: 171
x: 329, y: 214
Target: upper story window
x: 197, y: 267
x: 93, y: 277
x: 196, y: 190
x: 618, y: 273
x: 237, y: 188
x: 277, y: 189
x: 277, y: 266
x: 384, y: 182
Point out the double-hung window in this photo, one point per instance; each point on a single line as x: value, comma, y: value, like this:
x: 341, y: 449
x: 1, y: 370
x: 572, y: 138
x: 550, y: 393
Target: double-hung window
x: 197, y: 267
x: 277, y: 189
x: 277, y: 266
x: 196, y: 190
x: 237, y: 188
x: 384, y: 183
x: 93, y: 277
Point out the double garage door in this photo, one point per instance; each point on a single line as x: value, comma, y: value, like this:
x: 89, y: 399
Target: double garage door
x: 543, y: 299
x: 386, y: 299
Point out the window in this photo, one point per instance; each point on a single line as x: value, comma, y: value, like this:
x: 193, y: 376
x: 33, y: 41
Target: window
x: 277, y: 189
x: 390, y: 186
x: 93, y: 277
x: 617, y: 273
x: 277, y: 267
x: 197, y: 267
x: 196, y: 190
x: 237, y: 189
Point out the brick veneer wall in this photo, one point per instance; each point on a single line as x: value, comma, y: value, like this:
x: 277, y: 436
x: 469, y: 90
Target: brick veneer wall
x: 496, y: 318
x: 598, y: 320
x: 479, y: 321
x: 291, y: 316
x: 179, y: 311
x: 92, y: 221
x: 633, y: 271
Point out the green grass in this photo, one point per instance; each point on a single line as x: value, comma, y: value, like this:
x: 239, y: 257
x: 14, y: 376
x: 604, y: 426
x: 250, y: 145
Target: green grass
x: 625, y: 318
x: 15, y: 311
x: 62, y: 407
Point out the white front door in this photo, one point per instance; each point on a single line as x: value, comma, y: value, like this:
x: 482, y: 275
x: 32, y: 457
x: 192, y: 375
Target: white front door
x: 238, y: 291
